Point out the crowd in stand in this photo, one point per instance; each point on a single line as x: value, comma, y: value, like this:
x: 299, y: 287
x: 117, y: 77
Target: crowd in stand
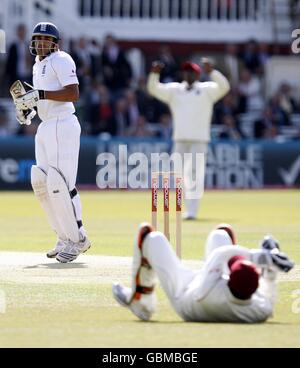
x: 246, y: 72
x: 114, y: 98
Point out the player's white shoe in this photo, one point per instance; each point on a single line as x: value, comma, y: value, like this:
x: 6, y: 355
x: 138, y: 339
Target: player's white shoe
x: 188, y: 217
x: 142, y: 308
x: 72, y: 250
x: 59, y: 246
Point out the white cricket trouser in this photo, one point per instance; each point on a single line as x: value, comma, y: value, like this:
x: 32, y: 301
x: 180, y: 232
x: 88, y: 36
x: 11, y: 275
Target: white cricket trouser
x: 194, y: 173
x: 57, y: 144
x: 173, y: 276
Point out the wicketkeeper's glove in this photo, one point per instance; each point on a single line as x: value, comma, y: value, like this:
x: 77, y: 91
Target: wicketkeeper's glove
x: 281, y: 260
x: 269, y: 243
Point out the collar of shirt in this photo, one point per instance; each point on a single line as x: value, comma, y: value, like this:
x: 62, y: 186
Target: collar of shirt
x: 189, y: 87
x: 38, y: 61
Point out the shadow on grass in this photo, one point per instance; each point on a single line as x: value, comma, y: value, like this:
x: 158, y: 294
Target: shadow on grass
x: 57, y: 266
x: 220, y: 324
x: 201, y: 220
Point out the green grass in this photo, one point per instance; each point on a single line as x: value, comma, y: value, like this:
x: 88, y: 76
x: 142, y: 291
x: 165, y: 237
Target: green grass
x: 86, y: 315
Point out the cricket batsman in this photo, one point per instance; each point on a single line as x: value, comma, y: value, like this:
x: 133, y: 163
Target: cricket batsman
x: 55, y: 88
x: 191, y: 103
x: 236, y: 284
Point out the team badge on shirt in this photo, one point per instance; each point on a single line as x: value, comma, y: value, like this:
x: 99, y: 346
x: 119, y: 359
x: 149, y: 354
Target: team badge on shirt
x: 73, y: 74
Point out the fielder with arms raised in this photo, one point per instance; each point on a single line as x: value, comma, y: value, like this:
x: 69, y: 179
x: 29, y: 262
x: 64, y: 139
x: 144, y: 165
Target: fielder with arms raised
x: 55, y: 88
x: 191, y: 103
x: 236, y: 284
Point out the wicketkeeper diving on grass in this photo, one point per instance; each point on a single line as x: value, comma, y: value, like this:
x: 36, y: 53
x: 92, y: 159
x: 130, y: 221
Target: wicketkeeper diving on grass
x: 236, y: 284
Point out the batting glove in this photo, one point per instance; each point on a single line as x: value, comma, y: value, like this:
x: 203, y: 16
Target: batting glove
x: 29, y: 100
x: 25, y: 116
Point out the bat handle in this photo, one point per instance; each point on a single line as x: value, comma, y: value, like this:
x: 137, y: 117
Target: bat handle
x: 28, y: 85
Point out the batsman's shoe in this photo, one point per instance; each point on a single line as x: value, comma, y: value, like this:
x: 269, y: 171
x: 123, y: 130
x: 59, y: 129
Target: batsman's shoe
x: 143, y: 308
x: 72, y: 250
x: 59, y: 246
x: 228, y: 228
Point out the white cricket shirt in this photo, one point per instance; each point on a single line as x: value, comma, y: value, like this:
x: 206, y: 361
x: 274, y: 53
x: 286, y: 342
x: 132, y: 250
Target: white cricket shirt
x: 213, y: 301
x: 220, y: 305
x: 52, y: 74
x: 191, y: 109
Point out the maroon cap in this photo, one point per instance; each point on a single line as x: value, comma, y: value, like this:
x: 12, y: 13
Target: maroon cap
x: 243, y: 279
x: 189, y: 66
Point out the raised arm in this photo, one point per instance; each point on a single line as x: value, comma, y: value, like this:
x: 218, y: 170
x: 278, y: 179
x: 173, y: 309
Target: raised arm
x: 219, y: 86
x: 159, y: 90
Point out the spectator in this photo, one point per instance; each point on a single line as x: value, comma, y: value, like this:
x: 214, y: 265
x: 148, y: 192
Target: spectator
x: 227, y: 106
x: 132, y: 107
x: 144, y: 100
x: 95, y: 51
x: 231, y: 130
x: 141, y: 129
x: 281, y: 116
x: 232, y: 64
x: 166, y: 126
x: 137, y: 63
x: 116, y: 71
x: 103, y: 121
x: 250, y: 92
x: 19, y: 61
x: 263, y: 56
x: 286, y: 100
x: 250, y: 57
x: 4, y: 123
x: 83, y: 60
x: 169, y: 73
x: 92, y: 101
x: 121, y: 117
x: 266, y: 127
